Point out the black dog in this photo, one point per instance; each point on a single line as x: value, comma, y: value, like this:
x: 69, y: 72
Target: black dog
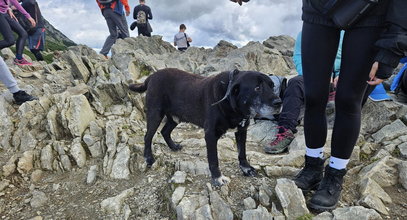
x: 215, y: 103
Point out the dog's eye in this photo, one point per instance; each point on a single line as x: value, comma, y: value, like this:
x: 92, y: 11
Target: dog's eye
x: 257, y: 89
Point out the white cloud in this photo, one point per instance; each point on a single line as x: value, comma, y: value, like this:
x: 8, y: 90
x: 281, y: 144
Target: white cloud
x: 207, y: 22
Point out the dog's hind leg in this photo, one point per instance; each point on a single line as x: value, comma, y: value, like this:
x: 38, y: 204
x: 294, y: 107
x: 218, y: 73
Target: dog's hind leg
x: 240, y: 136
x: 166, y: 133
x: 154, y: 119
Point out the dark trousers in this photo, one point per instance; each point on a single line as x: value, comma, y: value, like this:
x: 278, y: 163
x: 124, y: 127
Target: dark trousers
x: 143, y: 31
x: 37, y: 54
x: 114, y: 22
x: 319, y: 47
x: 7, y: 26
x: 293, y: 102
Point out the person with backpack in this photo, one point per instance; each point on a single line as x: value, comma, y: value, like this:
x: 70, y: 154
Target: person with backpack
x: 293, y: 101
x: 182, y: 40
x: 399, y: 84
x: 9, y: 24
x: 142, y: 13
x: 36, y: 38
x: 113, y: 12
x: 20, y: 96
x: 374, y: 42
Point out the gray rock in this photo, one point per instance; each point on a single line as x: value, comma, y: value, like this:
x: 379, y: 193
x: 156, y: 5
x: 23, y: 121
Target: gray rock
x: 39, y: 199
x: 203, y: 213
x: 355, y: 157
x: 6, y: 125
x: 96, y: 150
x: 66, y: 162
x: 36, y: 176
x: 375, y: 115
x: 283, y: 43
x: 78, y: 153
x: 179, y: 177
x: 368, y: 148
x: 10, y: 166
x: 324, y: 216
x: 47, y: 158
x: 220, y: 209
x: 370, y: 187
x: 25, y: 163
x: 79, y: 115
x: 280, y: 171
x: 177, y: 195
x: 381, y: 154
x: 375, y: 203
x: 249, y: 203
x: 186, y: 208
x: 277, y: 215
x: 382, y: 172
x: 260, y: 213
x: 114, y: 205
x: 403, y: 173
x: 355, y: 212
x: 265, y: 193
x: 193, y: 167
x: 120, y: 167
x: 291, y: 198
x: 92, y: 173
x: 390, y: 132
x: 293, y: 159
x: 403, y: 149
x: 79, y: 70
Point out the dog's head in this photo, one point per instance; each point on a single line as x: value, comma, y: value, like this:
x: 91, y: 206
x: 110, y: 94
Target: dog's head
x: 252, y: 94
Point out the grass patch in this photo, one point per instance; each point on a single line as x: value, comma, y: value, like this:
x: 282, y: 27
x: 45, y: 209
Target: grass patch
x: 305, y: 217
x: 396, y: 152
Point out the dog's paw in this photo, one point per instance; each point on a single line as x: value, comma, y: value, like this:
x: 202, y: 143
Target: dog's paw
x: 220, y: 181
x: 176, y: 147
x: 150, y: 161
x: 248, y: 170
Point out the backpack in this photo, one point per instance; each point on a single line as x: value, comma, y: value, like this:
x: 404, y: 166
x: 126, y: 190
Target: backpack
x: 141, y: 19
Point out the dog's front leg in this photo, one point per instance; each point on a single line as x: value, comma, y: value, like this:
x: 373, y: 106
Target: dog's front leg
x: 240, y: 136
x: 212, y: 152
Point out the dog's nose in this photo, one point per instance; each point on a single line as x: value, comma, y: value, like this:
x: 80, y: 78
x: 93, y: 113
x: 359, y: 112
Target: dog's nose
x: 277, y: 102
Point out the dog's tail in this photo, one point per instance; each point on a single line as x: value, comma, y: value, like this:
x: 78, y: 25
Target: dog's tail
x: 139, y: 87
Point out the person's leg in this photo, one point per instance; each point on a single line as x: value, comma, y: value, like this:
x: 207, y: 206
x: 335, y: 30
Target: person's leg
x: 7, y: 78
x: 22, y: 36
x: 6, y: 32
x: 293, y: 101
x: 111, y: 39
x: 37, y: 54
x: 319, y: 48
x: 358, y: 53
x: 124, y: 27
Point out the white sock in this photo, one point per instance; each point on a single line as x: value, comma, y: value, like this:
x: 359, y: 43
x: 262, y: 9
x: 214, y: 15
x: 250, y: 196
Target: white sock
x: 319, y: 152
x: 338, y: 163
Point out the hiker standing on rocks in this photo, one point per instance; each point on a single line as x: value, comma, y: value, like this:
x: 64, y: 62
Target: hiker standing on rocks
x: 182, y: 40
x: 36, y: 39
x: 9, y: 24
x: 142, y: 13
x: 374, y: 41
x: 113, y: 11
x: 20, y: 96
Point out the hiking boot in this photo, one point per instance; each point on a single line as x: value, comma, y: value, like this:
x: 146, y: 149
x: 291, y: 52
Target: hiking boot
x: 21, y: 96
x: 329, y: 191
x: 280, y: 144
x: 22, y: 62
x: 311, y: 175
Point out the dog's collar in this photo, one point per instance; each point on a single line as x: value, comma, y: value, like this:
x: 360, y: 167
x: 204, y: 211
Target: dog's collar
x: 228, y: 90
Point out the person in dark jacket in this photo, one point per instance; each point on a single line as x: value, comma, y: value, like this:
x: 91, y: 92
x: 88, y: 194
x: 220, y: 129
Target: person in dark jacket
x: 372, y: 47
x: 36, y: 39
x: 142, y: 13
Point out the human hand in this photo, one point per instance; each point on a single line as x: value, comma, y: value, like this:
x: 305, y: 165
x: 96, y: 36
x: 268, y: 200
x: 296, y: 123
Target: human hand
x: 372, y: 75
x: 32, y: 21
x: 10, y: 12
x: 335, y: 81
x: 127, y: 13
x: 239, y: 1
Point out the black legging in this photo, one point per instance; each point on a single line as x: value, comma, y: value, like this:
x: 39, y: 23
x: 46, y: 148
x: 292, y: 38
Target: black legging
x: 7, y: 26
x: 319, y: 47
x: 403, y: 83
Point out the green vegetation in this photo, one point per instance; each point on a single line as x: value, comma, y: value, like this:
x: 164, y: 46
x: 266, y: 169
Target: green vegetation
x: 306, y: 217
x: 396, y: 152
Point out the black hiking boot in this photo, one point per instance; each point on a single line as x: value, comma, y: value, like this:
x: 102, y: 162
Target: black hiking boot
x: 329, y: 191
x: 21, y: 96
x: 311, y: 175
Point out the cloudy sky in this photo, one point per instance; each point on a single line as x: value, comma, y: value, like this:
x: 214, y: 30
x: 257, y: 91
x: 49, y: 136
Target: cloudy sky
x: 207, y: 22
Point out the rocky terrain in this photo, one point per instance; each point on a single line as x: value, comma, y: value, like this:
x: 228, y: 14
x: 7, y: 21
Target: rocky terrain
x: 76, y: 153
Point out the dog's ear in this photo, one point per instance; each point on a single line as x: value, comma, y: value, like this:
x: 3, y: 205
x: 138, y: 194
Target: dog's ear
x: 233, y: 95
